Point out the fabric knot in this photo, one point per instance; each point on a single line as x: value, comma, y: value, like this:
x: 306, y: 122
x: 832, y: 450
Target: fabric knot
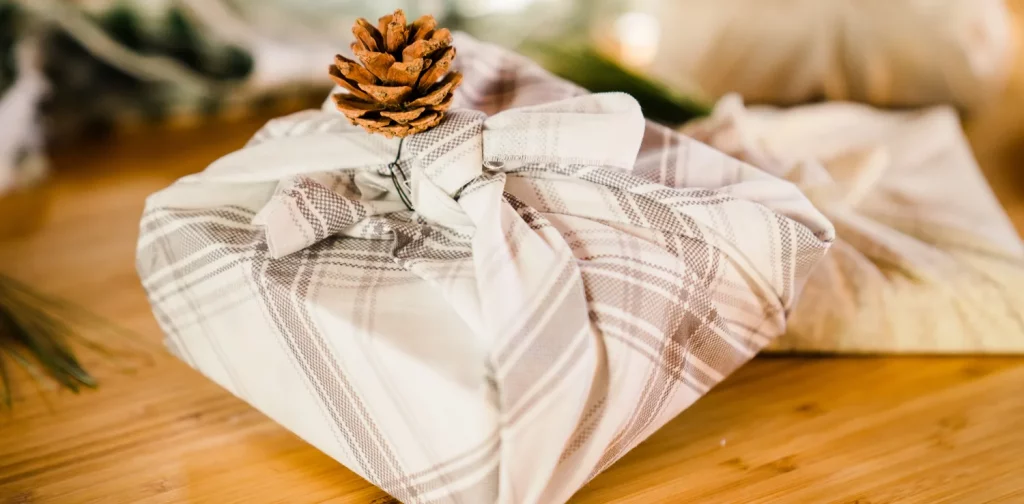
x: 444, y: 160
x: 309, y: 202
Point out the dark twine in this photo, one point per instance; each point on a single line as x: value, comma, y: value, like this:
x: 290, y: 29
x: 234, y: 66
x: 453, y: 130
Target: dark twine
x: 399, y: 179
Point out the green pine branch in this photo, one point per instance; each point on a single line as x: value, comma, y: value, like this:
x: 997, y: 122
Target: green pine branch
x: 584, y: 65
x: 35, y: 332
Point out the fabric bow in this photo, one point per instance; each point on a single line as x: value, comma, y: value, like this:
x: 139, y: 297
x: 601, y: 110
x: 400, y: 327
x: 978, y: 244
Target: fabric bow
x: 468, y: 147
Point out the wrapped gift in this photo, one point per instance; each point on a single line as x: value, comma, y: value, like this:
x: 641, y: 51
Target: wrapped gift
x: 569, y: 278
x: 925, y: 260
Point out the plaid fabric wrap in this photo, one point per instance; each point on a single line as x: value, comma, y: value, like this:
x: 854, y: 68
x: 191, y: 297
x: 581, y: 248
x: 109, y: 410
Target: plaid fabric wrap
x: 572, y: 278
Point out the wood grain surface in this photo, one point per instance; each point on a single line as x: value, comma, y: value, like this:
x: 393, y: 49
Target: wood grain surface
x: 781, y: 430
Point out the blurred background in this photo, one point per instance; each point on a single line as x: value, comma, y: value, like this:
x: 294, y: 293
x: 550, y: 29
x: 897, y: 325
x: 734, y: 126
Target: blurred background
x: 74, y: 69
x: 103, y: 102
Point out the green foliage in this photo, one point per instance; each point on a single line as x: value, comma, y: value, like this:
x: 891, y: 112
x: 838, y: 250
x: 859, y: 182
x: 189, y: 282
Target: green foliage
x: 34, y: 333
x: 182, y: 41
x: 8, y: 31
x: 122, y: 24
x: 76, y: 73
x: 235, y: 64
x: 582, y: 64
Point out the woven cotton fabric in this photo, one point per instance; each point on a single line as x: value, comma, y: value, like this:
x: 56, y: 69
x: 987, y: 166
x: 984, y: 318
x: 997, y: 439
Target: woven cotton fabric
x: 571, y: 278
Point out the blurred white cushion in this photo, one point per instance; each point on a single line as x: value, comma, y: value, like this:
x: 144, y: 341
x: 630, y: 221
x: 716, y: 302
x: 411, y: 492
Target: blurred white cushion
x: 884, y: 52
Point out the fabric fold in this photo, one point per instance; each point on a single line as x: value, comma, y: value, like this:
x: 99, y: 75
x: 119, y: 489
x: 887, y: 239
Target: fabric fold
x: 570, y: 279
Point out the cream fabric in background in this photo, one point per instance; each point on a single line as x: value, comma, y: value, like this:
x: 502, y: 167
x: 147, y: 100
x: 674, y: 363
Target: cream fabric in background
x: 883, y: 52
x: 926, y: 260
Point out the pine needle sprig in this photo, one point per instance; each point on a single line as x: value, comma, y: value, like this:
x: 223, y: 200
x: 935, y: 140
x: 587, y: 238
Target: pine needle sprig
x: 38, y: 325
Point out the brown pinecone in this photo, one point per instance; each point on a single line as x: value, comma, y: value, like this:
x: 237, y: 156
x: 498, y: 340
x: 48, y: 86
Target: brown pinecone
x: 403, y: 85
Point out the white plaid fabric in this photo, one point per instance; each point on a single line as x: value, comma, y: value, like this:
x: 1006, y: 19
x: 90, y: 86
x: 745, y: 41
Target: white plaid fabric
x: 926, y: 259
x: 571, y: 279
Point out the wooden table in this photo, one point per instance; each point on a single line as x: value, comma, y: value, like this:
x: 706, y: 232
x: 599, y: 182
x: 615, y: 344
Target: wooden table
x: 801, y: 430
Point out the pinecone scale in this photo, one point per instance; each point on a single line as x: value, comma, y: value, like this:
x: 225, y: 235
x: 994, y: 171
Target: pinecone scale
x: 402, y: 83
